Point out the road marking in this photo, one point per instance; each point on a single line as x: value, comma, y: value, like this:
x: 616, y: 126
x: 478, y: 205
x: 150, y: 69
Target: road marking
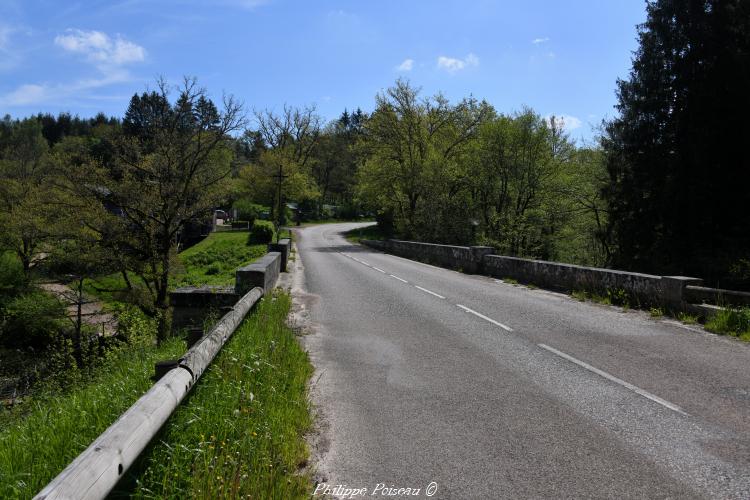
x: 400, y: 279
x: 430, y: 292
x: 612, y: 378
x: 472, y: 311
x: 378, y: 270
x: 364, y: 263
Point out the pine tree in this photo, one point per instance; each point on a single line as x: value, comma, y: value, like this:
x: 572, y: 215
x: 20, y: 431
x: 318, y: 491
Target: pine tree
x: 679, y: 173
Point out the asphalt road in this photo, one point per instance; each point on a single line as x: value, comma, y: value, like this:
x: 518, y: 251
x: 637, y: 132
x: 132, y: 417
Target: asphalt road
x: 490, y: 390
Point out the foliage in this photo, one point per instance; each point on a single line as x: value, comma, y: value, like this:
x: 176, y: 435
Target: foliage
x: 365, y: 233
x: 413, y: 148
x: 262, y: 232
x: 731, y: 321
x: 462, y: 174
x: 24, y: 183
x: 242, y: 430
x: 247, y: 210
x: 32, y: 320
x: 656, y: 312
x: 12, y: 279
x: 677, y: 192
x: 170, y: 168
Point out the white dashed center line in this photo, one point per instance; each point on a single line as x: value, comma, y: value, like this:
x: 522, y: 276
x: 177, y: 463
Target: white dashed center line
x: 378, y: 269
x: 429, y: 291
x: 616, y: 380
x: 400, y: 279
x: 480, y: 315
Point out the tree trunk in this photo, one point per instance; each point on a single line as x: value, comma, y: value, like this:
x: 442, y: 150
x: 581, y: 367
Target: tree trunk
x: 77, y: 341
x: 161, y: 302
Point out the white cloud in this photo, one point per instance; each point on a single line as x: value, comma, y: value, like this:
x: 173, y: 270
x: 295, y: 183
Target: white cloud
x: 407, y: 65
x: 25, y: 94
x: 107, y: 55
x: 537, y: 41
x: 452, y: 65
x: 9, y: 55
x: 30, y: 94
x: 568, y: 122
x: 5, y: 32
x: 99, y: 48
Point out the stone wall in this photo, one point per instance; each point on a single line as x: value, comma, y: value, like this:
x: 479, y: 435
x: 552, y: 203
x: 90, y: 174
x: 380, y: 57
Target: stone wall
x: 702, y: 294
x: 263, y: 273
x: 467, y: 259
x: 569, y: 277
x: 191, y: 305
x: 671, y: 291
x: 284, y: 247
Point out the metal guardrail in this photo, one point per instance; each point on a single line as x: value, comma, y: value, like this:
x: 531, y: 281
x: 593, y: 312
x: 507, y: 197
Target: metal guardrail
x: 96, y: 471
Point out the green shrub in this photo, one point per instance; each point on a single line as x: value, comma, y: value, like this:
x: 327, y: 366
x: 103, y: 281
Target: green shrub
x: 247, y: 210
x: 135, y: 328
x: 618, y: 297
x: 731, y: 321
x: 261, y: 232
x: 688, y: 319
x: 214, y: 268
x: 11, y: 274
x: 33, y: 319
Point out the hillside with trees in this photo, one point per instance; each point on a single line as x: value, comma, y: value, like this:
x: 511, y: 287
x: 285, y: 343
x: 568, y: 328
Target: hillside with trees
x: 664, y: 189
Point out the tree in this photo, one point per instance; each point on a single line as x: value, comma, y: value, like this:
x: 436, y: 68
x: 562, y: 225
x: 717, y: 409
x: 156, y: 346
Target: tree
x: 409, y: 143
x: 171, y: 165
x: 675, y: 154
x: 23, y: 183
x: 283, y: 167
x: 516, y: 172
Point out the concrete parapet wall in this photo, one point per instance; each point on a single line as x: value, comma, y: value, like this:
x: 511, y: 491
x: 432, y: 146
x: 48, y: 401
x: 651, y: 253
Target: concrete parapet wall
x: 569, y: 277
x: 262, y: 273
x: 467, y: 259
x: 284, y: 247
x: 191, y: 305
x: 702, y: 294
x: 671, y: 291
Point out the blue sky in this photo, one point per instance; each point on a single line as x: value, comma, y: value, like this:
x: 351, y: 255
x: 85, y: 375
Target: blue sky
x: 560, y: 58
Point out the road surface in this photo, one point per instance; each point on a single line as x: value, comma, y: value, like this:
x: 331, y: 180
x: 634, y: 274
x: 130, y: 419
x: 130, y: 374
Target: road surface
x: 488, y: 390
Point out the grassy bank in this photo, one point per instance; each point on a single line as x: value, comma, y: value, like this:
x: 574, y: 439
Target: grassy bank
x: 213, y: 261
x: 39, y: 438
x: 366, y: 233
x: 240, y: 433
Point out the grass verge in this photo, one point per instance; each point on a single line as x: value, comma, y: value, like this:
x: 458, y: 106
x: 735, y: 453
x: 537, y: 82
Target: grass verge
x: 241, y: 432
x: 365, y: 233
x: 731, y: 321
x: 40, y: 438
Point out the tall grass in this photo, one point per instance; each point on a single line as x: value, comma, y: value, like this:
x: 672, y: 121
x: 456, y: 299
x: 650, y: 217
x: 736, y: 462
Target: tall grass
x: 240, y: 433
x: 39, y: 438
x: 731, y: 321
